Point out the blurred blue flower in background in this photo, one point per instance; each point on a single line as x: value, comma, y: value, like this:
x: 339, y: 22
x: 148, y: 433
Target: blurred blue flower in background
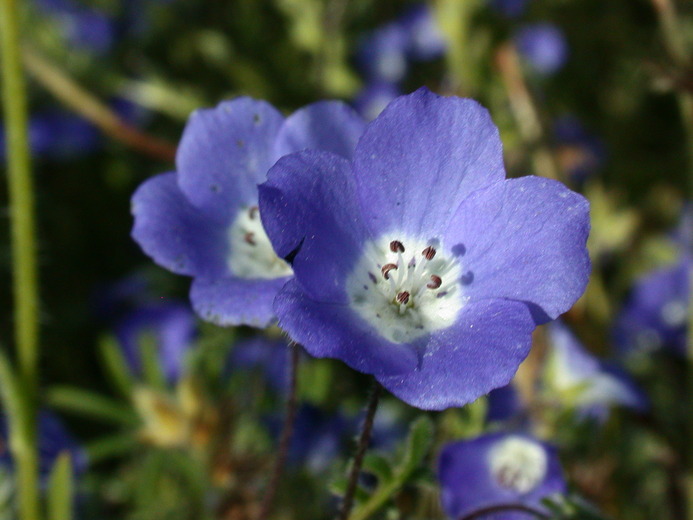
x: 56, y: 134
x: 498, y: 469
x: 170, y: 326
x: 504, y: 403
x: 53, y: 440
x: 656, y: 313
x: 374, y: 97
x: 425, y: 40
x: 86, y: 27
x: 266, y: 355
x: 383, y: 54
x: 583, y: 382
x: 580, y: 153
x: 543, y: 46
x: 510, y: 8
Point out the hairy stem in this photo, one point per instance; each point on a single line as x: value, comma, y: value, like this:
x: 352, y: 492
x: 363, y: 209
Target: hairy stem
x: 24, y: 270
x: 364, y: 441
x: 285, y: 439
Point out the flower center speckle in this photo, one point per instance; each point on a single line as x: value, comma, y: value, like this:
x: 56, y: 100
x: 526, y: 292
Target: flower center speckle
x: 406, y: 287
x: 518, y: 464
x: 251, y: 254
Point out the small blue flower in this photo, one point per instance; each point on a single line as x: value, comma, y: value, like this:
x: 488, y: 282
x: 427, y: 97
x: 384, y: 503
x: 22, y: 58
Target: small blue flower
x: 543, y: 46
x: 579, y: 152
x: 426, y: 41
x: 202, y: 221
x: 270, y: 356
x: 656, y: 313
x: 582, y: 381
x: 498, y: 469
x: 82, y: 26
x: 170, y: 325
x: 418, y: 262
x: 510, y: 8
x: 53, y: 439
x: 374, y: 97
x: 383, y: 54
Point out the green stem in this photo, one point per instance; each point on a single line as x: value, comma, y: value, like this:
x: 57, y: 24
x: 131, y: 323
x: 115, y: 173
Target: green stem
x: 23, y: 434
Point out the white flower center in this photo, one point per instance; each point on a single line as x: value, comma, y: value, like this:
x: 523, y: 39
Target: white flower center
x: 518, y: 464
x: 406, y: 288
x: 252, y: 255
x: 675, y: 313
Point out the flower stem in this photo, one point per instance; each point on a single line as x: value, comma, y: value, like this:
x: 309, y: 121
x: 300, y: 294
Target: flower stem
x: 25, y: 279
x: 485, y: 511
x: 285, y: 439
x: 364, y: 441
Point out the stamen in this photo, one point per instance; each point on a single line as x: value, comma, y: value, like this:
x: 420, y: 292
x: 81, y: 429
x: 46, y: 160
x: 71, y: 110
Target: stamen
x: 396, y: 246
x: 436, y: 281
x: 252, y: 212
x: 429, y: 253
x: 386, y: 270
x: 249, y: 237
x: 403, y: 297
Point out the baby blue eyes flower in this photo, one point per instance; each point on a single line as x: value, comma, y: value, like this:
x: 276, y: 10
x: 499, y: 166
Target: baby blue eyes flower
x: 202, y: 221
x: 418, y: 262
x: 656, y: 313
x: 171, y: 326
x: 543, y: 46
x: 498, y: 469
x: 584, y: 382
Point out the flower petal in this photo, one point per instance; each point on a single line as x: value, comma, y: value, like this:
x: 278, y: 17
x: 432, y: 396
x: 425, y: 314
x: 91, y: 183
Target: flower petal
x: 174, y: 233
x: 334, y: 331
x: 331, y: 126
x: 421, y: 157
x: 311, y: 214
x: 480, y: 352
x: 225, y: 153
x: 235, y: 301
x: 524, y: 239
x: 464, y: 471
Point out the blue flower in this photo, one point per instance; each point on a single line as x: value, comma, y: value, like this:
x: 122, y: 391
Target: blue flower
x: 270, y: 356
x: 510, y: 8
x: 374, y: 97
x: 543, y: 46
x: 418, y: 262
x: 170, y: 325
x: 202, y: 221
x: 53, y: 440
x: 582, y: 381
x: 656, y: 313
x: 82, y: 26
x: 426, y: 41
x: 383, y: 54
x: 498, y: 469
x: 579, y: 152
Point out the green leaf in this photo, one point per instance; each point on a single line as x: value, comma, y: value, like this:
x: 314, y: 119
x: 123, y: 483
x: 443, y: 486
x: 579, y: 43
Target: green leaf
x: 417, y: 444
x: 151, y: 366
x: 111, y: 446
x: 60, y: 489
x: 379, y: 466
x: 116, y: 365
x: 92, y: 405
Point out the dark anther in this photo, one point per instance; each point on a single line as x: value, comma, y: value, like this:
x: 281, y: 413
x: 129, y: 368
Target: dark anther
x: 386, y: 270
x: 403, y: 298
x: 429, y: 253
x: 252, y: 212
x: 396, y: 246
x: 436, y: 281
x: 249, y: 237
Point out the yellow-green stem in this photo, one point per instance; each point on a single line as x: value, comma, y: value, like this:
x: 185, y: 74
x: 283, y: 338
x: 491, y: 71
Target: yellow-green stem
x: 21, y: 203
